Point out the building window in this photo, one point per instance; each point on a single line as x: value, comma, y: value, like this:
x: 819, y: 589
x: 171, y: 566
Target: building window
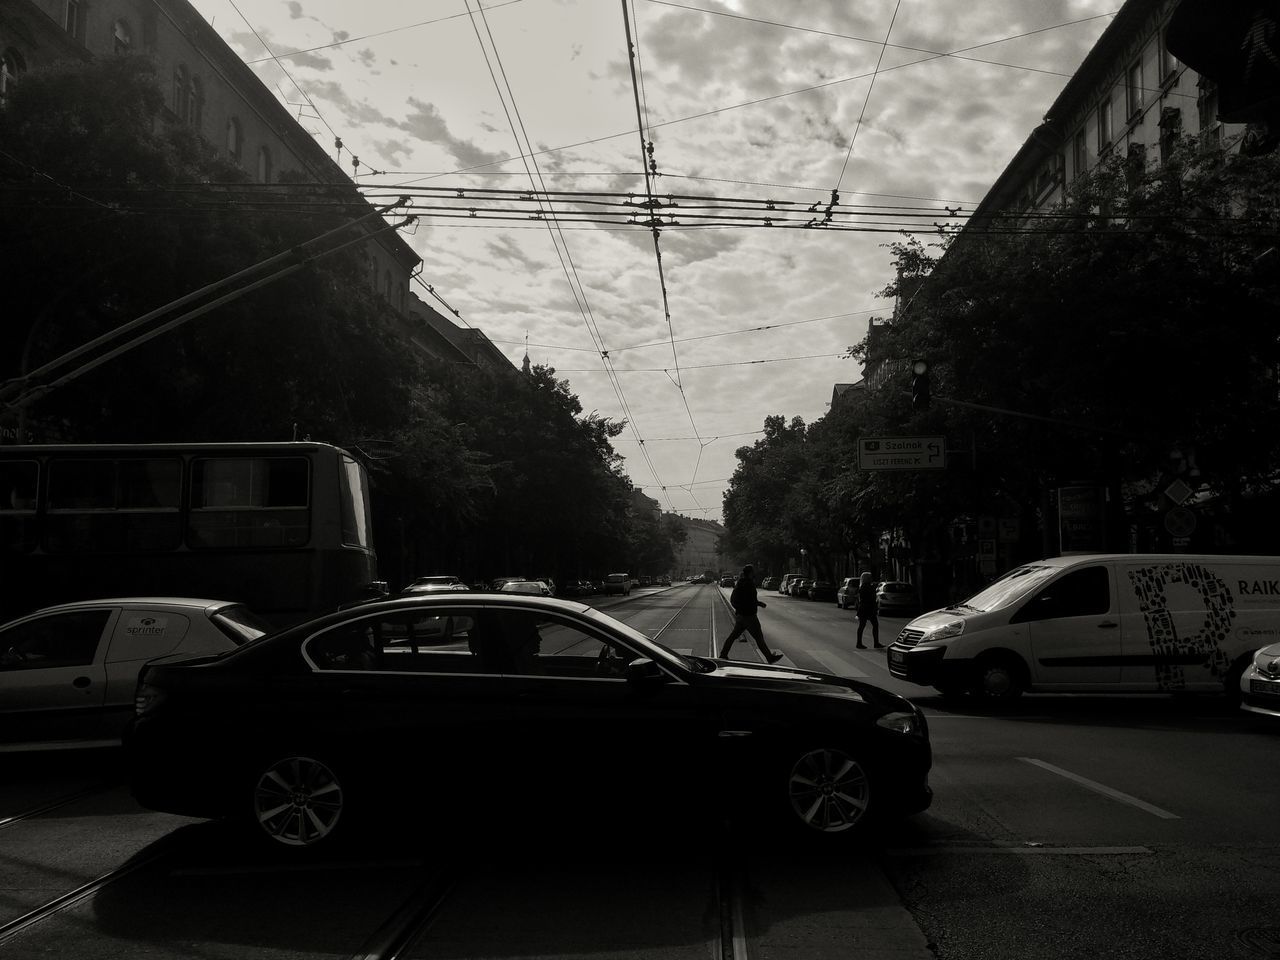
x: 1170, y: 131
x: 1105, y: 130
x: 235, y: 139
x: 1133, y: 89
x: 1207, y: 107
x: 264, y: 165
x: 121, y: 38
x: 386, y: 285
x: 181, y: 82
x: 74, y: 20
x: 1168, y: 63
x: 195, y: 103
x: 1079, y: 154
x: 11, y: 67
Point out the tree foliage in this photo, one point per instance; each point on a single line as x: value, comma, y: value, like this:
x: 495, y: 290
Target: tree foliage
x: 1083, y: 345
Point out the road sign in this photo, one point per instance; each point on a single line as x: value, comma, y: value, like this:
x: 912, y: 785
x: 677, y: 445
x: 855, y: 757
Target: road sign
x: 902, y: 453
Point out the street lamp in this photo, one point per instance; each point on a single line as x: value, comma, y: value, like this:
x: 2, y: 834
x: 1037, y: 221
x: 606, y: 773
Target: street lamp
x: 803, y: 561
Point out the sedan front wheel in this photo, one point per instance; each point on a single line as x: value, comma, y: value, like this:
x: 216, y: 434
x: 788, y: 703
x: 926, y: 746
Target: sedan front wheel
x: 829, y: 791
x: 298, y: 801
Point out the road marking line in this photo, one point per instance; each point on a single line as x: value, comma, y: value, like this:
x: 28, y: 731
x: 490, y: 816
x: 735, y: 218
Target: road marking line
x: 1102, y: 789
x: 835, y: 665
x: 1029, y: 851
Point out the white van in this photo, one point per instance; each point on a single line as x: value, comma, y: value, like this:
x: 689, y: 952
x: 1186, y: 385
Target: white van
x: 1101, y: 623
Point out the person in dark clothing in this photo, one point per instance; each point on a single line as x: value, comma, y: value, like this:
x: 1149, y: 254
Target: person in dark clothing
x: 868, y: 611
x: 745, y: 616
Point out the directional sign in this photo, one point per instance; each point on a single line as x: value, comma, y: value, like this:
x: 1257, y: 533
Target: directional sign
x: 902, y: 453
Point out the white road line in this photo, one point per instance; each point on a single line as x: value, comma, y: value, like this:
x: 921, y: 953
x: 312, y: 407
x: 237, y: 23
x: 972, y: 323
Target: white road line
x: 1028, y: 851
x: 1102, y: 789
x: 837, y: 666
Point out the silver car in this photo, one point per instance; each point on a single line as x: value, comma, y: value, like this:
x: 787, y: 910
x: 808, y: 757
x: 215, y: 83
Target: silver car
x: 68, y: 673
x: 440, y: 584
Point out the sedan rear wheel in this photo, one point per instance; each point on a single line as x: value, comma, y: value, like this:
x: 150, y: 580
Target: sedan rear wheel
x: 298, y: 801
x: 829, y: 791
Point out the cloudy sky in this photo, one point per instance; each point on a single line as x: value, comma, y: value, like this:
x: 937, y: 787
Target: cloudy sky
x: 906, y: 107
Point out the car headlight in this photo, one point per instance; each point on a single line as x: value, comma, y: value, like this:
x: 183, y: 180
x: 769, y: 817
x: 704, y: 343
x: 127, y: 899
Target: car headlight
x: 907, y: 724
x: 952, y: 628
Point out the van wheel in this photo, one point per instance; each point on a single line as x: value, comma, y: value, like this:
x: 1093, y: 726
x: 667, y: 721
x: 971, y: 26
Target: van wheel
x: 999, y: 677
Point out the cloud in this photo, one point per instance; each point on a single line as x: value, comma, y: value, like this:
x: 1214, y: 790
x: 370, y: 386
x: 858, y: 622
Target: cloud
x: 426, y: 124
x: 312, y: 60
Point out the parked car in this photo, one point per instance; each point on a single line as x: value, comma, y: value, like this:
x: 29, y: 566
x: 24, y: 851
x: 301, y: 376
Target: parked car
x: 498, y: 583
x: 663, y: 582
x: 617, y: 583
x: 784, y: 587
x: 800, y: 587
x: 769, y: 583
x: 1260, y: 683
x: 437, y: 584
x: 895, y: 595
x: 821, y: 590
x: 296, y: 732
x: 533, y: 588
x: 577, y: 588
x: 68, y: 672
x: 847, y: 593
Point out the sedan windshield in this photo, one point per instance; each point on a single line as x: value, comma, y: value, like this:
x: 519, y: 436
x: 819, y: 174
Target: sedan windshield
x: 1010, y: 588
x: 657, y: 652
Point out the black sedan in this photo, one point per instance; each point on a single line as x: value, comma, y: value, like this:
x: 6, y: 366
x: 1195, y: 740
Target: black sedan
x: 409, y: 707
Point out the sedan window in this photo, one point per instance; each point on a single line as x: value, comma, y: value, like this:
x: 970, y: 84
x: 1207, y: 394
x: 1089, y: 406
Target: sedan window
x: 58, y: 640
x: 440, y: 642
x: 535, y: 644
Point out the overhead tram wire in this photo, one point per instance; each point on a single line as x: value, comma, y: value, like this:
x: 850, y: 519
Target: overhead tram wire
x: 650, y: 169
x: 558, y: 240
x: 865, y: 100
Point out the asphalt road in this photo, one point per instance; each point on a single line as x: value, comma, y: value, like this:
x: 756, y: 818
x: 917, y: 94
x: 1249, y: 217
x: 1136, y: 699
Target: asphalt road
x: 1129, y: 827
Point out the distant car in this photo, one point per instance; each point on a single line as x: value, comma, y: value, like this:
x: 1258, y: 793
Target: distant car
x: 727, y: 580
x: 1260, y: 683
x: 532, y: 588
x: 800, y: 587
x: 306, y: 734
x: 498, y: 583
x: 441, y: 584
x: 784, y: 585
x: 895, y: 595
x: 577, y: 588
x: 821, y: 590
x: 68, y: 673
x: 769, y: 583
x: 617, y: 583
x: 847, y: 593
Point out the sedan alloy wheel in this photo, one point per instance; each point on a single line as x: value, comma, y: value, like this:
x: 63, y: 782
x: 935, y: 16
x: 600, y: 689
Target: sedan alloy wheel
x: 829, y: 790
x: 298, y: 801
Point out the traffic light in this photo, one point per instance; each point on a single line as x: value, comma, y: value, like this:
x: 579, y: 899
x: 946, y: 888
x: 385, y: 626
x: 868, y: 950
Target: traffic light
x: 919, y: 385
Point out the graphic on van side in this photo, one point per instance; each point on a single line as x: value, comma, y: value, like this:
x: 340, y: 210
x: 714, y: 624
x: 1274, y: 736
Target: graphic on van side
x: 1169, y: 651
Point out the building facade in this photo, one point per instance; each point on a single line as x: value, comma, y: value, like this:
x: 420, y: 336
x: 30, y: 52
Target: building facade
x: 207, y: 87
x: 1130, y: 97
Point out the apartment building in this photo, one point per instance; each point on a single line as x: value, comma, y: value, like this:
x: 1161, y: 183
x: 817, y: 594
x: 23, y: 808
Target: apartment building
x: 1130, y: 97
x: 207, y: 87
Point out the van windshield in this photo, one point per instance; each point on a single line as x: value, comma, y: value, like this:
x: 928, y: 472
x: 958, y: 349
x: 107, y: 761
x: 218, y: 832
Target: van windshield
x: 1009, y: 589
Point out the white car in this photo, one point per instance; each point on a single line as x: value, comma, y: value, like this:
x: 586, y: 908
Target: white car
x: 1260, y: 682
x: 436, y: 585
x: 535, y: 588
x: 68, y: 673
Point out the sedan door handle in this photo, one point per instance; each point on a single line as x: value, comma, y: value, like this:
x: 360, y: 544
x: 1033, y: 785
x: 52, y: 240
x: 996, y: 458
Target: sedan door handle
x: 1107, y: 625
x: 81, y: 682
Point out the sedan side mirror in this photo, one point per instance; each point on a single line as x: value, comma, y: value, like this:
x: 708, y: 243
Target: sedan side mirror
x: 644, y: 672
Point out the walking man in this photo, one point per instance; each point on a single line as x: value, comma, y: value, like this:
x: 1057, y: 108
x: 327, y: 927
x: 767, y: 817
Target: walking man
x: 868, y: 610
x: 745, y: 618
